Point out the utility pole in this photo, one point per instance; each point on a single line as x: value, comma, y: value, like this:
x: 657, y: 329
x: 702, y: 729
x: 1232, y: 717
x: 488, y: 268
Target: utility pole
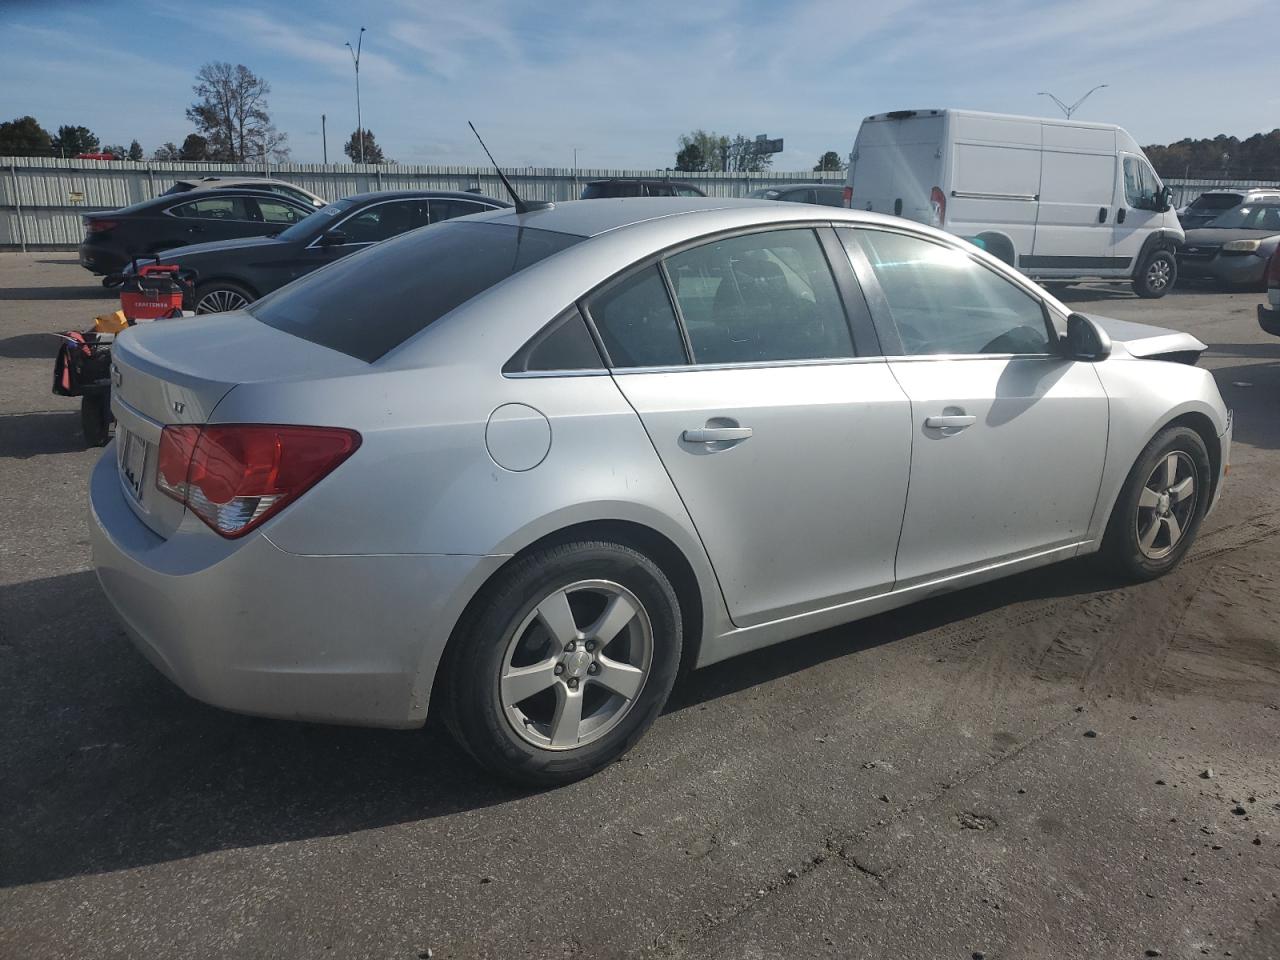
x: 1068, y: 111
x: 324, y: 139
x: 355, y: 58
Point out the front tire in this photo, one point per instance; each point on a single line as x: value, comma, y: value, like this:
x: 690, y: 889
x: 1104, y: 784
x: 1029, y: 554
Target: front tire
x: 221, y: 296
x: 1156, y: 276
x: 1158, y: 513
x: 563, y: 662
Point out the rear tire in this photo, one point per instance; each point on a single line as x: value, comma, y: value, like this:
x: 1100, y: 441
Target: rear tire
x: 1152, y: 525
x: 1156, y: 276
x: 220, y: 296
x: 573, y: 627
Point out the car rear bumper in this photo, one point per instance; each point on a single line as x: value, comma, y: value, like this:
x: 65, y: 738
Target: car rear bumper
x: 1232, y: 269
x: 101, y: 260
x: 249, y: 627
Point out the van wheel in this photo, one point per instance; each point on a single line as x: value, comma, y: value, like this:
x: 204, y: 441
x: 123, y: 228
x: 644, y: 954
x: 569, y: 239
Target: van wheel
x: 1156, y: 276
x: 1158, y: 513
x: 564, y: 663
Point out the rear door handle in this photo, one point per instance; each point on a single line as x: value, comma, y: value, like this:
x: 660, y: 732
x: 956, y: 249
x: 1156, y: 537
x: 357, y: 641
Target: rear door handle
x: 715, y: 434
x: 949, y: 421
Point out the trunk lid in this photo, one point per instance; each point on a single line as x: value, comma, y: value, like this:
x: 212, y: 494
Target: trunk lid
x: 1151, y: 343
x: 177, y: 371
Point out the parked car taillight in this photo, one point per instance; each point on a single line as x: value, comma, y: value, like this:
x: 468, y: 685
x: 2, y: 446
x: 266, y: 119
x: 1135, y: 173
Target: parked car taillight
x: 99, y: 226
x: 235, y: 476
x: 1273, y: 269
x: 938, y: 206
x: 846, y: 198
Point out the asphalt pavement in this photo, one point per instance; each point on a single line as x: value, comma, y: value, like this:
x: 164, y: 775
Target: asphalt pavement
x: 1043, y: 767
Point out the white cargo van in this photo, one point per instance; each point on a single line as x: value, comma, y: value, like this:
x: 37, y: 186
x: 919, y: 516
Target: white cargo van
x: 1061, y: 200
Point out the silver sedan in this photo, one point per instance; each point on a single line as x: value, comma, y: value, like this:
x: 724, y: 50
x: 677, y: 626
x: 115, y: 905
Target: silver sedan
x: 523, y: 468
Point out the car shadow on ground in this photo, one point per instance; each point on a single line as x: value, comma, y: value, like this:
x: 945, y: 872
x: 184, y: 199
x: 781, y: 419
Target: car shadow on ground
x: 30, y: 346
x: 24, y: 435
x: 96, y: 292
x: 109, y: 766
x: 1252, y: 391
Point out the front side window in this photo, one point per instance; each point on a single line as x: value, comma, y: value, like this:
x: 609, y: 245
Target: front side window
x: 213, y: 208
x: 275, y: 211
x: 945, y: 302
x: 760, y: 297
x: 374, y: 300
x: 637, y: 323
x: 1139, y: 184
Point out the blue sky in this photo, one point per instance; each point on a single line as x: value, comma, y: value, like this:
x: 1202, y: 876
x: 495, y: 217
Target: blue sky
x: 620, y: 81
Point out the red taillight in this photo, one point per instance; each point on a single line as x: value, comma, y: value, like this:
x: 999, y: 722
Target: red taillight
x: 99, y: 226
x: 847, y: 196
x: 1273, y: 270
x: 235, y: 476
x: 938, y: 206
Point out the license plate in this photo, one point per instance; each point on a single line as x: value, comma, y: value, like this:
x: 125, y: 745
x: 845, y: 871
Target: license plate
x: 133, y: 463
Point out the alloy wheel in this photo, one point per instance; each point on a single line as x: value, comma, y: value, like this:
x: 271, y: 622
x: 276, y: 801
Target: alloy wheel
x: 1158, y: 274
x: 1166, y: 505
x: 576, y: 664
x: 221, y: 301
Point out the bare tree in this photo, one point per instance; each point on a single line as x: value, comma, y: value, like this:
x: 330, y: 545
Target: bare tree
x: 231, y: 113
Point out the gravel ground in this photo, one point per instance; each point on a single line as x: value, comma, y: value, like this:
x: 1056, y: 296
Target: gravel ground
x: 1014, y: 771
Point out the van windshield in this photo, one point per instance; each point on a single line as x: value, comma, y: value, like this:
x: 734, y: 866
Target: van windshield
x: 371, y: 302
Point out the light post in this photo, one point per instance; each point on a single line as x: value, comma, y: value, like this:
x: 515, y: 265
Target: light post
x: 1071, y: 109
x: 355, y: 58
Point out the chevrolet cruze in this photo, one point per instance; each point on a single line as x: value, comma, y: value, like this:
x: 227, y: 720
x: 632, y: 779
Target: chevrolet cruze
x: 521, y: 468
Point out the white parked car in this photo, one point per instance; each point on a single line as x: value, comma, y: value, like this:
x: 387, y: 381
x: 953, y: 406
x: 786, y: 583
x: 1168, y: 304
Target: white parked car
x: 1059, y: 200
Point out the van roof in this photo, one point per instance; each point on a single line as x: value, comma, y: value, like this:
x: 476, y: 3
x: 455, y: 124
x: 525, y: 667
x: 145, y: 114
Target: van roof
x: 1057, y: 121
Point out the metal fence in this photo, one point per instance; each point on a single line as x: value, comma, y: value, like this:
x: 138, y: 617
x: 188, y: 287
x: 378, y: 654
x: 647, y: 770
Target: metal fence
x: 41, y: 199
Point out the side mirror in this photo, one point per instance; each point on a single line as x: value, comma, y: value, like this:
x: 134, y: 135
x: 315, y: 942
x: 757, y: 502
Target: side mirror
x: 1085, y: 340
x: 1164, y: 199
x: 333, y: 238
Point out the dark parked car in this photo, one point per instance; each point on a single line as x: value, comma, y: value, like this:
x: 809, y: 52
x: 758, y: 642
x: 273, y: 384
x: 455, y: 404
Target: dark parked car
x: 1205, y: 208
x: 826, y: 194
x: 1234, y: 248
x: 232, y: 273
x: 279, y: 187
x: 620, y: 187
x: 1269, y: 312
x: 113, y: 237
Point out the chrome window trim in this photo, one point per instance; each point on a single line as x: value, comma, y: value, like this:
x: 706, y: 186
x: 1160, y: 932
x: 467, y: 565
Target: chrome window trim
x: 168, y: 211
x: 365, y: 243
x: 976, y: 195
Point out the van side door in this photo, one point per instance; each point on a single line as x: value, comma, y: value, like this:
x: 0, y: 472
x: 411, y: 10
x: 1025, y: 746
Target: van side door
x: 1077, y: 190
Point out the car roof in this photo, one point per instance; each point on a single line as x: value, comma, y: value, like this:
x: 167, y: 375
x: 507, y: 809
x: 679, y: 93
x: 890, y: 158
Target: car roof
x: 424, y: 193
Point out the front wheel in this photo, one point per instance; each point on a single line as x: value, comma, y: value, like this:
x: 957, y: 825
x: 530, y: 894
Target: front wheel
x: 563, y: 662
x: 221, y: 296
x: 1156, y: 276
x: 1158, y: 514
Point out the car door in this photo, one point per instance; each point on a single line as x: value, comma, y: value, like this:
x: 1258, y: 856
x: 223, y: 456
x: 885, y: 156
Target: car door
x: 219, y: 216
x: 788, y: 446
x: 1136, y: 214
x: 1008, y: 436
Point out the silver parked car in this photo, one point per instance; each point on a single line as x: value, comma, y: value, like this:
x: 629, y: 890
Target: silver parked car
x: 523, y: 467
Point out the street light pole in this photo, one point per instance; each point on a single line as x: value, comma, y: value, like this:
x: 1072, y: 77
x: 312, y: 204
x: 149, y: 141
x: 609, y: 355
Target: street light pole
x: 355, y: 58
x: 324, y: 139
x: 1068, y: 111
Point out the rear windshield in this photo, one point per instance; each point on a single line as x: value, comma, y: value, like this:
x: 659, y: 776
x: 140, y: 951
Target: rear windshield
x: 370, y: 302
x: 1216, y: 201
x: 623, y: 188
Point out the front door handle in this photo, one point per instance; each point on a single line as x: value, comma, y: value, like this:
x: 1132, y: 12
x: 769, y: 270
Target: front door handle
x: 1102, y: 214
x: 1120, y: 215
x: 715, y: 434
x: 953, y: 421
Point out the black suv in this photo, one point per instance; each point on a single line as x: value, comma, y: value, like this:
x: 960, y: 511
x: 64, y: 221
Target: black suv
x: 598, y: 189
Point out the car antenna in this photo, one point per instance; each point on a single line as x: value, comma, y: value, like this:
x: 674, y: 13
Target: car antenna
x: 522, y: 206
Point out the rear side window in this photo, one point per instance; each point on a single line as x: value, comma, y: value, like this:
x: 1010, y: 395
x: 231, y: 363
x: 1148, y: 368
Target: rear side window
x: 637, y: 323
x: 760, y: 297
x: 366, y: 304
x: 448, y: 209
x: 564, y: 344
